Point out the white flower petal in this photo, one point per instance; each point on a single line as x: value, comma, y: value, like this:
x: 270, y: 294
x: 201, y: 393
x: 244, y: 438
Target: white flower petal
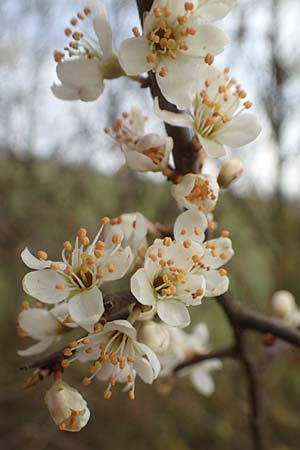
x: 42, y: 286
x: 38, y: 323
x: 193, y: 283
x: 212, y: 10
x: 141, y: 288
x: 239, y: 131
x: 90, y: 93
x: 64, y: 92
x: 202, y: 381
x: 211, y: 147
x: 216, y: 284
x: 173, y: 313
x: 133, y: 56
x: 37, y: 348
x: 87, y: 307
x: 143, y: 369
x: 103, y: 31
x: 80, y: 72
x: 151, y: 356
x: 176, y: 119
x: 121, y: 262
x: 121, y: 325
x: 208, y: 39
x: 191, y: 222
x: 33, y: 262
x: 222, y: 248
x: 137, y: 161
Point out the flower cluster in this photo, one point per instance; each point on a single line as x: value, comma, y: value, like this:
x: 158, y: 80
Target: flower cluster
x: 166, y: 272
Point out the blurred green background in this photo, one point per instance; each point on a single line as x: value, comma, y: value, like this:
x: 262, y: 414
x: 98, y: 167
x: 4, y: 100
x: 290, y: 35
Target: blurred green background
x: 57, y: 174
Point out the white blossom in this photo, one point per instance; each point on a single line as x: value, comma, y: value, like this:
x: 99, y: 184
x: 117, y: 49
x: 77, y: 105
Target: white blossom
x: 174, y: 43
x: 67, y: 407
x: 43, y: 325
x: 134, y: 227
x: 231, y: 171
x: 178, y: 273
x: 216, y: 113
x: 185, y: 346
x: 119, y: 357
x: 143, y: 152
x: 77, y: 278
x: 212, y: 10
x: 155, y: 335
x: 284, y: 307
x: 91, y: 59
x: 196, y: 192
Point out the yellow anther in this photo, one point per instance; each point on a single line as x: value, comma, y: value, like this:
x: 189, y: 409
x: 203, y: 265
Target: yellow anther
x: 153, y: 257
x: 151, y: 58
x: 25, y: 305
x: 130, y: 378
x: 167, y: 241
x: 136, y: 32
x: 130, y: 359
x: 42, y: 255
x: 107, y: 395
x: 225, y: 233
x: 223, y: 255
x: 73, y: 344
x: 222, y: 272
x: 68, y: 246
x: 116, y: 239
x: 68, y: 352
x: 82, y: 232
x: 111, y: 268
x: 62, y: 426
x: 90, y: 260
x: 80, y: 15
x: 100, y: 245
x: 105, y: 220
x: 131, y: 395
x: 197, y: 231
x: 160, y: 253
x: 248, y: 105
x: 65, y: 363
x: 209, y: 59
x: 58, y: 56
x: 84, y: 268
x: 188, y: 6
x: 60, y: 286
x: 86, y: 341
x: 68, y: 32
x: 100, y: 274
x: 87, y: 11
x: 187, y: 244
x: 68, y: 271
x: 98, y: 253
x: 86, y: 381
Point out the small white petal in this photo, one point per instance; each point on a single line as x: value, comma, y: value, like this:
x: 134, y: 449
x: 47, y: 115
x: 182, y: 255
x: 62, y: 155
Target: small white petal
x: 90, y: 93
x: 151, y: 356
x: 212, y: 10
x: 42, y: 286
x: 173, y: 313
x: 143, y: 369
x: 240, y: 131
x: 103, y: 31
x: 191, y: 221
x: 37, y: 348
x: 64, y: 92
x: 208, y: 39
x: 33, y: 262
x: 137, y: 161
x: 212, y: 148
x: 215, y: 283
x: 80, y: 72
x: 141, y: 288
x: 176, y: 119
x: 38, y: 323
x: 133, y: 56
x: 87, y: 307
x: 121, y: 325
x: 202, y: 381
x: 223, y: 249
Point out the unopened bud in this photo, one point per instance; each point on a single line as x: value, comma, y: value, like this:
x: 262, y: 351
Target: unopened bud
x: 283, y: 304
x: 155, y: 335
x: 231, y: 171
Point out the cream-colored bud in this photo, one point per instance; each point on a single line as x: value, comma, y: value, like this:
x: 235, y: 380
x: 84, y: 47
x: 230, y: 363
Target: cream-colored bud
x: 67, y: 407
x: 283, y: 305
x: 155, y: 335
x: 231, y: 171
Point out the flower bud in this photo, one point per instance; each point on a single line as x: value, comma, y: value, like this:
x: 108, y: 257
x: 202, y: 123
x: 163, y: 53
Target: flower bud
x: 283, y: 304
x: 67, y: 407
x: 155, y: 335
x: 231, y: 171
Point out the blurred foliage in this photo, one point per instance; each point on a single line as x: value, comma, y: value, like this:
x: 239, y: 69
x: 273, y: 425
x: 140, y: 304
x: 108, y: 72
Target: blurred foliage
x: 42, y: 204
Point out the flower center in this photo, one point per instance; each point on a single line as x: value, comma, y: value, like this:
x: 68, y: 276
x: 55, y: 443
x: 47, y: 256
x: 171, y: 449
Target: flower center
x: 201, y: 192
x: 155, y: 154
